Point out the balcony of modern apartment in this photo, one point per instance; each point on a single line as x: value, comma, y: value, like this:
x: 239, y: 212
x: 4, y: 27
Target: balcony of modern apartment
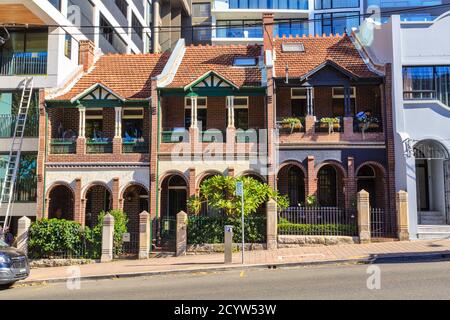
x: 93, y: 134
x: 215, y: 124
x: 330, y: 114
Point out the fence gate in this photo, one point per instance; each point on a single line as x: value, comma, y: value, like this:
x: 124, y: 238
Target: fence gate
x: 165, y: 229
x: 382, y: 223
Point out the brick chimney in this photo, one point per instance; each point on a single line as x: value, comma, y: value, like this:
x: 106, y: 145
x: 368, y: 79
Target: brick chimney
x: 268, y: 31
x: 86, y: 54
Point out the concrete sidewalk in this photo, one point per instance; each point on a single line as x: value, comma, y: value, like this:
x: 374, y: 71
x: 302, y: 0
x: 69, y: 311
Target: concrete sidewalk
x: 214, y: 262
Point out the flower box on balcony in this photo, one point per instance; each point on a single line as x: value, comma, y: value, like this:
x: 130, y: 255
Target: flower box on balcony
x: 291, y: 124
x: 331, y: 124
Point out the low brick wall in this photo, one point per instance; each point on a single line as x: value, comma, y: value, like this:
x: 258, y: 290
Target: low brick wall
x: 304, y: 241
x: 219, y: 247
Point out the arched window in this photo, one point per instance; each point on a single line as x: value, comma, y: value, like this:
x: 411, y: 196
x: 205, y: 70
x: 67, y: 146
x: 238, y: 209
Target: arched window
x: 327, y: 186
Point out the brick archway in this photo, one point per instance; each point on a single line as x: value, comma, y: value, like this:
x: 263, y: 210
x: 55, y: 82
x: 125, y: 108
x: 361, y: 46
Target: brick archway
x: 98, y: 197
x: 60, y: 201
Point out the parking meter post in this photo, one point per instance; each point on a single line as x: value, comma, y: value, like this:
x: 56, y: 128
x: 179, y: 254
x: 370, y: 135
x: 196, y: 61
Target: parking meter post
x: 228, y: 244
x: 242, y: 226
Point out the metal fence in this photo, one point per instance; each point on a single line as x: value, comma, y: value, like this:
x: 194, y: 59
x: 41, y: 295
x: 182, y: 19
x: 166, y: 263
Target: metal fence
x: 130, y: 248
x: 383, y: 223
x: 84, y: 250
x: 23, y: 63
x: 330, y: 221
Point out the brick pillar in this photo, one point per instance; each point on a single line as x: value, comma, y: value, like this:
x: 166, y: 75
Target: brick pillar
x: 154, y: 105
x: 107, y: 238
x: 86, y: 54
x: 230, y: 140
x: 348, y: 127
x: 230, y: 171
x: 41, y: 211
x: 181, y: 236
x: 268, y: 31
x: 81, y: 146
x: 22, y: 234
x: 115, y: 194
x: 78, y: 214
x: 312, y: 180
x: 271, y: 225
x: 402, y: 215
x: 310, y: 122
x: 363, y: 216
x: 191, y: 182
x: 47, y: 206
x: 144, y: 235
x: 350, y: 183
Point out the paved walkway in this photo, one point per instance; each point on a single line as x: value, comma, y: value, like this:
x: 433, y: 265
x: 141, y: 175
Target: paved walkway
x: 252, y: 258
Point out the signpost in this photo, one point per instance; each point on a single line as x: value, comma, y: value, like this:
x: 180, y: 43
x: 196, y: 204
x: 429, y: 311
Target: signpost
x: 240, y: 192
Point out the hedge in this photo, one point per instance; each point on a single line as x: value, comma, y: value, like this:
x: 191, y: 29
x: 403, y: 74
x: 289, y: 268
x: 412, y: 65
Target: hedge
x: 209, y: 230
x: 317, y: 229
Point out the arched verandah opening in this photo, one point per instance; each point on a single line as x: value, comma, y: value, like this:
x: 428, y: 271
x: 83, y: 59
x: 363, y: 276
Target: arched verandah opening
x: 291, y: 182
x: 98, y: 199
x: 432, y: 183
x: 261, y: 179
x: 61, y: 203
x: 330, y: 186
x: 207, y: 210
x: 371, y: 178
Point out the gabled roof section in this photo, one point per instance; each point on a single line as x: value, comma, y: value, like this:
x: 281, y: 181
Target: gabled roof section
x: 199, y: 61
x: 98, y: 92
x: 126, y: 76
x: 211, y: 80
x: 337, y: 51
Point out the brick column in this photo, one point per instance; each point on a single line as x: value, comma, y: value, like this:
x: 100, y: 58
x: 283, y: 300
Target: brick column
x: 115, y: 194
x: 153, y: 173
x: 41, y: 210
x: 363, y: 216
x: 22, y: 234
x: 107, y: 238
x: 271, y: 225
x: 144, y: 235
x: 402, y: 215
x: 191, y: 182
x: 348, y: 127
x: 78, y: 214
x: 312, y: 180
x: 350, y: 183
x: 310, y: 122
x: 181, y: 236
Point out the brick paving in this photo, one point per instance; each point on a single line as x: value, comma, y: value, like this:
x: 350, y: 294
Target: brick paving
x: 214, y: 261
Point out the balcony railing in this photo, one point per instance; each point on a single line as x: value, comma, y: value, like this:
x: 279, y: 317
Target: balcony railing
x: 8, y: 123
x: 99, y: 147
x: 135, y: 147
x: 175, y: 135
x: 23, y: 63
x: 63, y: 146
x: 25, y: 190
x: 269, y: 4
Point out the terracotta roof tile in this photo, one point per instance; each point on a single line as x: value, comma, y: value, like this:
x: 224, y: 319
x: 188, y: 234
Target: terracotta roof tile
x: 338, y: 49
x: 198, y: 60
x: 129, y: 75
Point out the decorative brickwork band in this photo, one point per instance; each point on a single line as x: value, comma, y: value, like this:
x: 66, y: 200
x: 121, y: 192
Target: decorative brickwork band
x: 402, y: 215
x: 363, y: 216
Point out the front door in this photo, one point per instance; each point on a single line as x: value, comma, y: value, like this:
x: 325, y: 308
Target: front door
x: 423, y: 196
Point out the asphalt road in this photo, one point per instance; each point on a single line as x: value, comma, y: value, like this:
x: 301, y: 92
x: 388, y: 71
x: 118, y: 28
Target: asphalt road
x: 424, y: 280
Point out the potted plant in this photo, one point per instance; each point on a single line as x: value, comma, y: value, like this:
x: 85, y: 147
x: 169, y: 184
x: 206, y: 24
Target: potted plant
x: 367, y: 121
x: 291, y: 124
x: 330, y: 123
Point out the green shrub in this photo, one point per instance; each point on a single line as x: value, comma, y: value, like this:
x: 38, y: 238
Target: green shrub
x: 56, y: 237
x: 120, y: 227
x: 284, y: 227
x: 208, y: 230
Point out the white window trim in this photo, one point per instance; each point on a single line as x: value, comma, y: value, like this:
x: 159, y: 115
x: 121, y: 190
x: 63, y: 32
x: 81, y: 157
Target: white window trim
x: 134, y: 116
x: 240, y: 106
x: 93, y: 117
x: 186, y: 106
x: 298, y: 97
x: 341, y: 96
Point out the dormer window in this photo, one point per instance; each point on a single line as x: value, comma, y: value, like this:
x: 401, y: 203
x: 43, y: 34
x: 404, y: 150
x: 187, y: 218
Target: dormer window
x: 244, y: 62
x: 292, y: 47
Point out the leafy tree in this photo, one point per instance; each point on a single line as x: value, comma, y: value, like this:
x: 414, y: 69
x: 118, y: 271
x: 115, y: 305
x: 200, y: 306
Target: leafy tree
x: 220, y: 193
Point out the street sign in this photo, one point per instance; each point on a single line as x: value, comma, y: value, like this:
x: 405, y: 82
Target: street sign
x: 240, y: 188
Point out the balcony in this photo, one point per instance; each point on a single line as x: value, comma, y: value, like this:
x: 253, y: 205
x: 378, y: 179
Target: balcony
x: 99, y: 146
x: 63, y: 146
x: 135, y: 146
x: 8, y: 123
x: 269, y: 4
x: 23, y: 63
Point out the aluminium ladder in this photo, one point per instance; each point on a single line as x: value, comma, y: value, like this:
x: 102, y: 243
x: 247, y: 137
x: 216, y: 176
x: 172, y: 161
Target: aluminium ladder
x: 12, y: 167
